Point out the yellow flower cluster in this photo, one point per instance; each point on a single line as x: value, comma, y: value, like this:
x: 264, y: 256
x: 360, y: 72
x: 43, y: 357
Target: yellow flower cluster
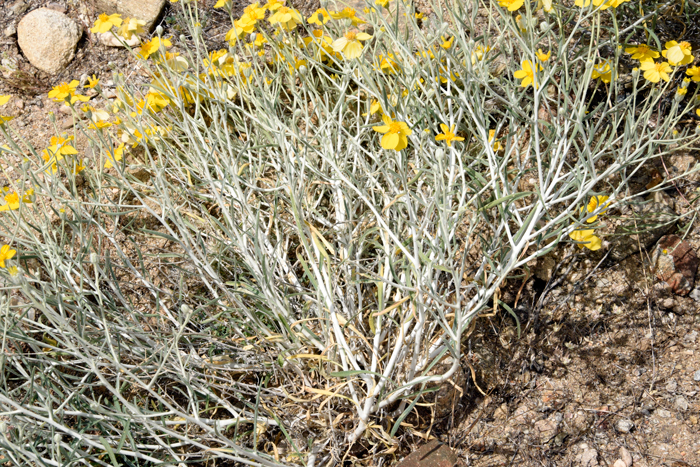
x: 586, y: 238
x: 676, y: 54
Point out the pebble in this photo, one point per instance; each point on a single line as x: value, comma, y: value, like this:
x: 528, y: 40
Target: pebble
x: 625, y: 456
x: 624, y: 425
x: 67, y: 123
x: 695, y: 294
x: 691, y: 337
x: 696, y: 376
x: 19, y: 7
x: 19, y: 103
x: 671, y: 386
x: 619, y: 463
x: 680, y: 403
x: 10, y: 31
x: 663, y: 413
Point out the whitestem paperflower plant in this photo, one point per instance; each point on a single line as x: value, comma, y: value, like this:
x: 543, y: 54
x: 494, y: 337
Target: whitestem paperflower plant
x: 245, y: 251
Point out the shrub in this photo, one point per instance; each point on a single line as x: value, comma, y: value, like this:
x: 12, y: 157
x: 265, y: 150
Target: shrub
x: 294, y: 235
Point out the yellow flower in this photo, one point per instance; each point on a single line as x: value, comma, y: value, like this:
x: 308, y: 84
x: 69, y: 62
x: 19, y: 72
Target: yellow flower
x: 98, y: 125
x: 320, y: 17
x: 419, y: 16
x: 92, y: 82
x: 130, y: 27
x: 603, y: 71
x: 62, y: 91
x: 448, y: 135
x: 349, y: 45
x: 374, y: 107
x: 118, y: 154
x: 395, y: 133
x: 587, y: 239
x: 613, y: 3
x: 286, y: 17
x: 543, y: 56
x: 388, y: 64
x: 3, y: 101
x: 153, y: 46
x: 595, y: 203
x: 656, y: 71
x: 346, y: 13
x: 642, y: 52
x: 447, y: 43
x: 512, y: 5
x: 678, y: 54
x: 5, y: 254
x: 546, y: 5
x: 694, y: 73
x: 497, y: 146
x: 527, y: 74
x: 478, y: 53
x: 104, y: 23
x: 274, y: 5
x: 681, y: 91
x: 222, y: 3
x: 382, y: 3
x: 11, y: 202
x: 697, y: 112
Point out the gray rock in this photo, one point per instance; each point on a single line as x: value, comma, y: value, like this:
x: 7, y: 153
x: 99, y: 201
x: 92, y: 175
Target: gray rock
x: 624, y: 425
x: 695, y: 294
x: 644, y: 228
x: 681, y: 403
x: 663, y: 413
x: 48, y: 39
x: 671, y: 386
x: 18, y: 7
x: 146, y: 10
x: 696, y: 376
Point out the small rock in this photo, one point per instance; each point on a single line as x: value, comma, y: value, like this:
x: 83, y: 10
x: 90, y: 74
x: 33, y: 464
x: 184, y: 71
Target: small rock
x: 67, y: 123
x: 675, y: 262
x: 64, y: 109
x: 18, y: 7
x: 625, y: 456
x: 109, y: 94
x: 624, y: 425
x: 433, y: 454
x: 48, y: 39
x: 691, y: 337
x: 681, y: 403
x: 696, y: 376
x: 663, y: 413
x: 110, y: 40
x: 146, y: 10
x: 19, y: 103
x: 619, y: 463
x: 588, y: 458
x: 546, y: 429
x: 10, y: 30
x: 671, y: 386
x: 695, y: 294
x: 57, y: 7
x: 667, y: 303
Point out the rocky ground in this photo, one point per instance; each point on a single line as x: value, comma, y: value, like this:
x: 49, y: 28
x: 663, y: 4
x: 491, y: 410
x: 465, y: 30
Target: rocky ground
x: 607, y: 368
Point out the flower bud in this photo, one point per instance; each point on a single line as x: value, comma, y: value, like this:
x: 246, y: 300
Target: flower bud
x: 543, y: 26
x: 303, y: 70
x: 635, y: 73
x: 159, y: 30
